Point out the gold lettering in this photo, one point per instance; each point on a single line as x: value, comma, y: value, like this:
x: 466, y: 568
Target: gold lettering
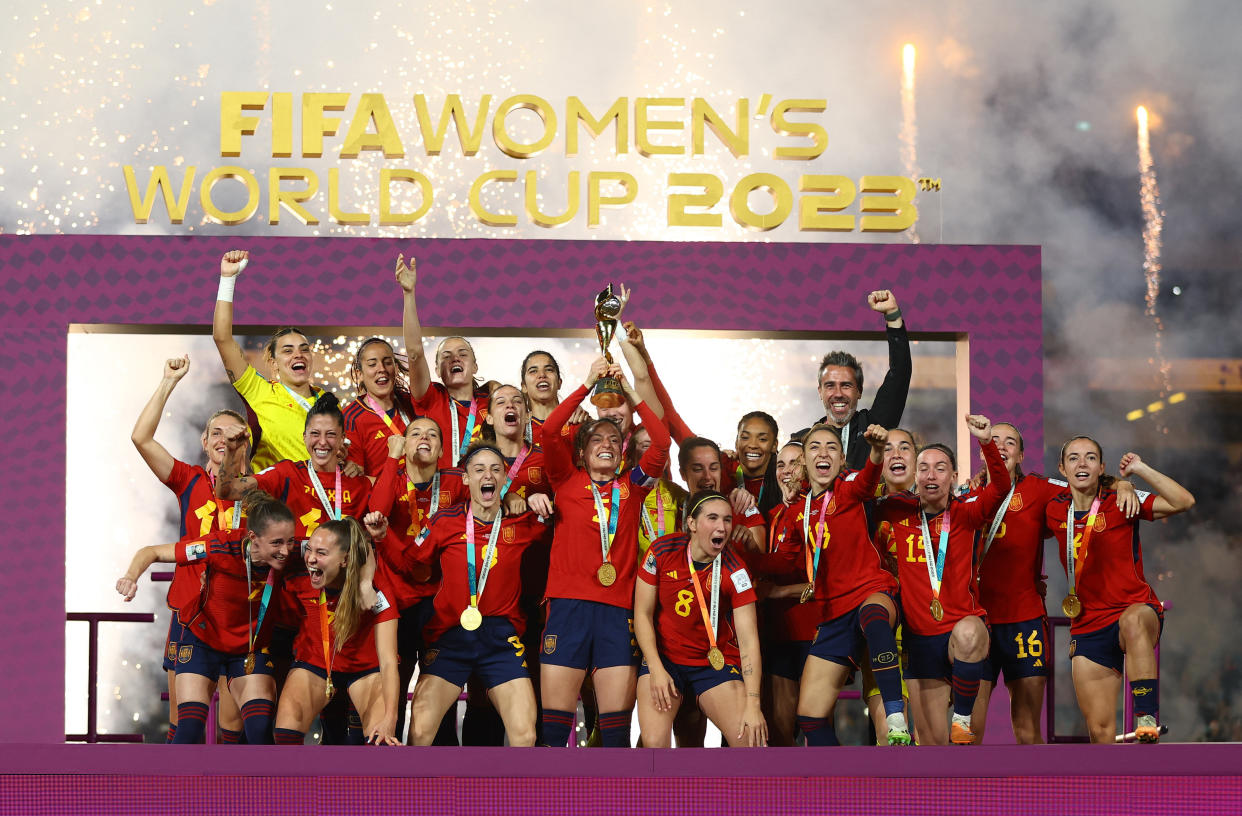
x: 541, y: 108
x: 813, y: 209
x: 159, y: 181
x: 595, y: 200
x: 334, y: 210
x: 315, y: 125
x: 469, y: 138
x: 476, y: 205
x: 234, y: 123
x: 236, y: 217
x: 738, y: 140
x: 373, y: 108
x: 712, y: 188
x: 282, y: 125
x: 892, y: 195
x: 290, y: 199
x: 807, y: 130
x: 643, y: 124
x: 782, y: 197
x: 576, y: 112
x: 388, y: 218
x: 532, y: 202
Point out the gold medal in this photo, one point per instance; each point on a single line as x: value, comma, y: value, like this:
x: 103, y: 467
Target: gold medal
x: 936, y: 609
x: 716, y: 658
x: 249, y: 664
x: 607, y: 574
x: 471, y: 618
x: 329, y: 689
x: 1071, y: 606
x: 807, y: 594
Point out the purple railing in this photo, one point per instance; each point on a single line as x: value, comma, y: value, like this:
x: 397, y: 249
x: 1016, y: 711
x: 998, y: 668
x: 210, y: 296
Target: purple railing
x: 93, y: 619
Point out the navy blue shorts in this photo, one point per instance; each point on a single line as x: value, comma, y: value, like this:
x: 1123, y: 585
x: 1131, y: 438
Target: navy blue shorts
x: 1103, y: 646
x: 696, y: 680
x: 493, y: 652
x: 929, y: 656
x: 785, y: 658
x: 1018, y: 650
x: 588, y: 635
x: 414, y: 618
x: 340, y: 680
x: 170, y: 643
x: 196, y: 657
x: 841, y: 640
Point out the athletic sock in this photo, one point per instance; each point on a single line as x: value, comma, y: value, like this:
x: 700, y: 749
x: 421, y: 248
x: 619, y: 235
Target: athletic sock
x: 172, y: 732
x: 1146, y: 695
x: 885, y: 663
x: 353, y: 729
x: 966, y: 677
x: 556, y: 727
x: 818, y: 731
x: 257, y: 717
x: 290, y: 736
x: 614, y: 728
x: 230, y: 737
x: 191, y: 723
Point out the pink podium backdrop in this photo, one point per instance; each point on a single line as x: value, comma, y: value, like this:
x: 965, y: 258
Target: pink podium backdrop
x: 989, y: 296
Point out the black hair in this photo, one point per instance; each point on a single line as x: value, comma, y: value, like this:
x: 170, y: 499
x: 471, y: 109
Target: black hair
x: 475, y: 449
x: 526, y: 361
x: 943, y: 448
x: 327, y: 405
x: 587, y: 428
x: 841, y: 359
x: 770, y: 493
x: 687, y: 448
x: 488, y: 431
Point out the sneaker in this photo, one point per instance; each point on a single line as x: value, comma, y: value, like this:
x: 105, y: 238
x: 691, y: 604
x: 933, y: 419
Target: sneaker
x: 961, y: 734
x: 1146, y: 729
x: 898, y: 730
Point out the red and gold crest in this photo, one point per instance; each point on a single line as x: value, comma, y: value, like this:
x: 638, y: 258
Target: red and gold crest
x: 549, y: 644
x: 534, y: 475
x: 508, y: 534
x: 1015, y: 504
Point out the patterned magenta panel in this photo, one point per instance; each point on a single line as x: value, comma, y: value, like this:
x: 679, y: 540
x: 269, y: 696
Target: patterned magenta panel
x: 990, y: 293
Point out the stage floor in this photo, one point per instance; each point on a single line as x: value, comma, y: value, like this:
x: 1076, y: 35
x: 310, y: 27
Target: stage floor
x: 1064, y: 779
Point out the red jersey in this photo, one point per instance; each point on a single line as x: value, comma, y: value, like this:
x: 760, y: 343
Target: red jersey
x: 783, y: 620
x: 680, y: 630
x: 959, y: 591
x: 368, y: 434
x: 439, y: 406
x: 1110, y: 577
x: 850, y: 566
x: 576, y: 552
x: 568, y: 430
x: 1012, y: 567
x: 444, y: 541
x: 289, y: 481
x: 222, y: 613
x: 358, y: 653
x: 202, y: 513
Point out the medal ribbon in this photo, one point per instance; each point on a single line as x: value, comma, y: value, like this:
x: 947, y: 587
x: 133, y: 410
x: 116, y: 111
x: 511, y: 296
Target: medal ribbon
x: 740, y: 477
x: 655, y: 531
x: 329, y: 651
x: 935, y: 561
x: 819, y: 541
x: 1000, y: 515
x: 333, y: 512
x: 513, y: 469
x: 460, y: 444
x: 411, y: 495
x: 267, y: 596
x: 1074, y: 561
x: 379, y: 409
x: 298, y: 398
x: 711, y: 620
x: 488, y: 553
x: 613, y: 513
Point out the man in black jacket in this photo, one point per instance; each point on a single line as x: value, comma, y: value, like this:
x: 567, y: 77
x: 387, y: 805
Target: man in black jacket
x: 841, y: 384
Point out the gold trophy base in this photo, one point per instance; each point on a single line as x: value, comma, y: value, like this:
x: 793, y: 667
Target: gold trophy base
x: 608, y: 393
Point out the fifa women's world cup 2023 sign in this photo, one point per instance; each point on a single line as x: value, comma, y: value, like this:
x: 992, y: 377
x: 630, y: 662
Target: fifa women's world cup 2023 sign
x: 401, y: 195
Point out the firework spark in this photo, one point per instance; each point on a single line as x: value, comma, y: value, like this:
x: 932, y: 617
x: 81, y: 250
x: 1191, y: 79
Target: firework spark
x: 909, y: 126
x: 1153, y: 227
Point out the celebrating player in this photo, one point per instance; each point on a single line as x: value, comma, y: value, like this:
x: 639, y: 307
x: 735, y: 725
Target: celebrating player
x: 459, y: 402
x: 382, y: 406
x: 226, y: 627
x: 477, y: 622
x: 278, y: 408
x: 945, y: 630
x: 1115, y: 613
x: 826, y: 531
x: 347, y: 641
x: 689, y: 647
x: 202, y: 513
x: 593, y: 564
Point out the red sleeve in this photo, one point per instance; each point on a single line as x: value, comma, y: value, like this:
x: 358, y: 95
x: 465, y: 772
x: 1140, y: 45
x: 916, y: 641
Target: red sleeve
x: 680, y: 430
x: 272, y: 479
x: 998, y: 485
x: 862, y: 486
x: 192, y: 550
x: 1147, y: 511
x: 384, y: 493
x: 558, y: 454
x: 649, y: 572
x: 390, y: 610
x: 422, y: 550
x: 785, y: 548
x: 656, y: 457
x: 741, y: 587
x: 179, y: 477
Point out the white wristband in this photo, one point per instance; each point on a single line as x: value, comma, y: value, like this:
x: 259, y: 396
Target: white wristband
x: 225, y: 291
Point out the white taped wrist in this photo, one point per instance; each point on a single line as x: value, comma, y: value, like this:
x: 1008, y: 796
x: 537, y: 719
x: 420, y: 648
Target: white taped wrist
x: 225, y: 292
